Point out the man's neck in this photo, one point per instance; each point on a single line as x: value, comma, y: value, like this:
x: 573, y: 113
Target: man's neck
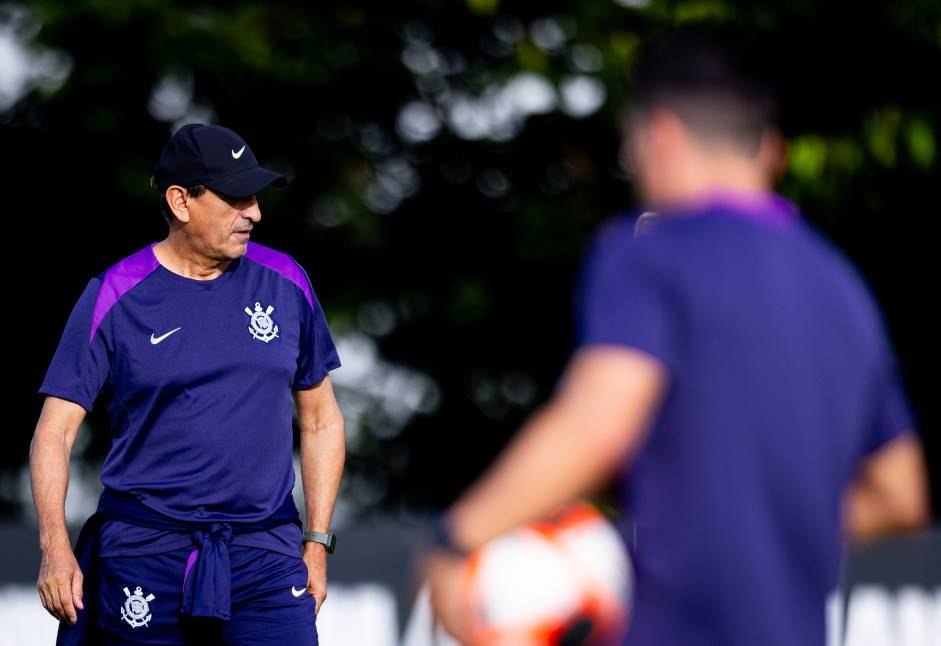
x: 181, y: 258
x: 703, y: 175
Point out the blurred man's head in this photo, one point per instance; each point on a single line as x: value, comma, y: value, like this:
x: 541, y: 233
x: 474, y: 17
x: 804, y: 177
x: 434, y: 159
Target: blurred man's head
x: 703, y: 117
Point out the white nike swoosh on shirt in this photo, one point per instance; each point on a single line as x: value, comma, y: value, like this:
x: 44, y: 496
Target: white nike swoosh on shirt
x: 298, y: 593
x: 236, y: 155
x: 155, y: 341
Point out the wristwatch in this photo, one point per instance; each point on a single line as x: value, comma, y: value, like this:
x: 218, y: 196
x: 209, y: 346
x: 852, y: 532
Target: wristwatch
x: 442, y: 538
x: 327, y: 539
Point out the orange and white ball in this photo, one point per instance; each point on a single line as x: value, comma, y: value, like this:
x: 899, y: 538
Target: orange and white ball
x: 565, y: 580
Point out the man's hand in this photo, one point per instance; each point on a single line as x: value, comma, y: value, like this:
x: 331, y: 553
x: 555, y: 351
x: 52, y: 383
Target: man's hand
x: 315, y: 556
x: 60, y: 582
x: 889, y: 493
x: 445, y: 576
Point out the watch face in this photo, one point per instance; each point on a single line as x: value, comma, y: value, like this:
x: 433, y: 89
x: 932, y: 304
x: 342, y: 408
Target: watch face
x: 331, y: 543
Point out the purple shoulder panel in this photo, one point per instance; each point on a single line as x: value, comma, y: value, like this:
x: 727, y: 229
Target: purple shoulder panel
x: 283, y: 264
x: 118, y: 280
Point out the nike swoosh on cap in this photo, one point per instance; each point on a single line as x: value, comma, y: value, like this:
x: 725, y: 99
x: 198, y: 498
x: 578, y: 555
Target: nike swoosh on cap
x: 236, y: 155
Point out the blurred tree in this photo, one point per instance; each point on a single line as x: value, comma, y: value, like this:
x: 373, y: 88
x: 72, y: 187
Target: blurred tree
x: 448, y: 163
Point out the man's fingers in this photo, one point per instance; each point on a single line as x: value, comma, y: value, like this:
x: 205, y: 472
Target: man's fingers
x: 316, y: 576
x: 319, y: 594
x: 444, y: 579
x: 77, y: 592
x: 64, y: 591
x: 52, y: 601
x: 57, y: 611
x: 46, y: 602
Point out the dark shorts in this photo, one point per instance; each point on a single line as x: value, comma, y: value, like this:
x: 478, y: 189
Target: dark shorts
x: 140, y: 599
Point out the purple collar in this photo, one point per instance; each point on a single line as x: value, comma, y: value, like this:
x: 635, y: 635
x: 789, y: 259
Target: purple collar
x: 767, y: 207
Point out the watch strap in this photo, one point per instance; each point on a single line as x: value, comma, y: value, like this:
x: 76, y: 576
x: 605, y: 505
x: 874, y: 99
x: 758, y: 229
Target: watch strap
x: 327, y: 539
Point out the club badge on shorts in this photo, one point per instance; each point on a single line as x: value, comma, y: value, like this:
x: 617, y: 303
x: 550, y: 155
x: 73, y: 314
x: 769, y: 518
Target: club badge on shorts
x: 136, y: 610
x: 262, y: 327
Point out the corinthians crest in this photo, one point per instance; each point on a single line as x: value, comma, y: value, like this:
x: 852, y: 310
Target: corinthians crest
x: 262, y: 327
x: 136, y: 610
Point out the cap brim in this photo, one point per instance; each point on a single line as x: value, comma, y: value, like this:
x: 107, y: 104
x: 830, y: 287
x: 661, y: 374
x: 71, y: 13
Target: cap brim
x: 247, y: 182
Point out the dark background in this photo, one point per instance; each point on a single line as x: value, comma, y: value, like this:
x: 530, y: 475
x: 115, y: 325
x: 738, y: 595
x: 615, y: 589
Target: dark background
x: 456, y: 256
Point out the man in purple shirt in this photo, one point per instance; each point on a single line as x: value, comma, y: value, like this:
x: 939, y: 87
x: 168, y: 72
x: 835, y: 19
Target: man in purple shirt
x: 196, y: 343
x: 731, y: 370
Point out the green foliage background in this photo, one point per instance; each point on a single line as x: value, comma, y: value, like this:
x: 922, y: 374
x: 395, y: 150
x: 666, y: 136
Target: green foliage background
x: 467, y: 248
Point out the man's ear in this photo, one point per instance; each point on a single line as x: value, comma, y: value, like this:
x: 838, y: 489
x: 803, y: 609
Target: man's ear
x: 176, y: 197
x: 666, y: 130
x: 772, y: 154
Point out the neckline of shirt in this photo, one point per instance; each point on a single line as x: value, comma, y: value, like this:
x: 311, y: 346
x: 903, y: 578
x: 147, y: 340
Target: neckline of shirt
x: 767, y: 208
x: 195, y: 283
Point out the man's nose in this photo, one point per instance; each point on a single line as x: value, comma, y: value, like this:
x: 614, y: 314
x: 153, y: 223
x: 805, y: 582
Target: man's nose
x: 253, y: 213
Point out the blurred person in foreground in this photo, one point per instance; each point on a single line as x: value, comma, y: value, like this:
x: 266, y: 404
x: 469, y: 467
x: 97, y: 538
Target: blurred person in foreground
x: 201, y: 343
x: 731, y: 370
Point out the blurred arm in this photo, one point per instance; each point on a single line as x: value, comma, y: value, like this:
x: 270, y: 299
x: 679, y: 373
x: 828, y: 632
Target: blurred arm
x: 597, y: 420
x: 60, y: 581
x: 890, y: 492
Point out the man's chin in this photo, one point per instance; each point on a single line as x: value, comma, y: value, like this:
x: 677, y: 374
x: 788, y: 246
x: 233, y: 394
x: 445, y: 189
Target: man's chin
x: 236, y: 250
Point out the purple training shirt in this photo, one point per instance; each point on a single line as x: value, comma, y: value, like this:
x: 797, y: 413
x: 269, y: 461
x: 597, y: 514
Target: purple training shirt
x: 781, y: 380
x: 198, y: 376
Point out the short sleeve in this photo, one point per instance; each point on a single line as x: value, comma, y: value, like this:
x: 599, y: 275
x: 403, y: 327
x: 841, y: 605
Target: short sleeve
x: 624, y: 299
x: 81, y: 363
x: 891, y: 414
x: 317, y: 354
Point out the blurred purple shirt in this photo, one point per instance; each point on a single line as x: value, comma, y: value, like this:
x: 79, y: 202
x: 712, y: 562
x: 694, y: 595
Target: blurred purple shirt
x: 781, y: 381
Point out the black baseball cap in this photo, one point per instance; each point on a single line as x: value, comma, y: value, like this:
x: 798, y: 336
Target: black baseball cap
x: 215, y: 157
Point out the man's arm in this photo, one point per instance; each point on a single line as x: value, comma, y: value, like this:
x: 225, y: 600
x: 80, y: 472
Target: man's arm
x: 323, y: 450
x: 597, y: 420
x: 890, y: 492
x: 60, y: 579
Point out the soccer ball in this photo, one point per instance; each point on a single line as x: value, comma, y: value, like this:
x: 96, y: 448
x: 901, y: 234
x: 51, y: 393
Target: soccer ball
x: 566, y: 580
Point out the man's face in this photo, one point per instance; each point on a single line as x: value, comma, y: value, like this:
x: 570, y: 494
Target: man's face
x: 219, y: 225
